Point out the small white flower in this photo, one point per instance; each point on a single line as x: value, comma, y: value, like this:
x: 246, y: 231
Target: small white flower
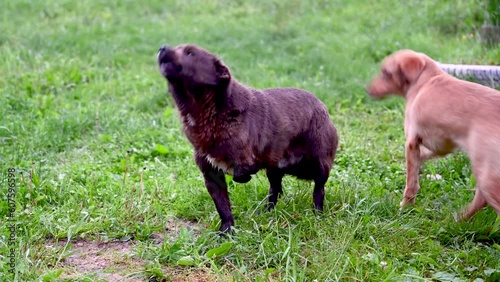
x: 434, y: 176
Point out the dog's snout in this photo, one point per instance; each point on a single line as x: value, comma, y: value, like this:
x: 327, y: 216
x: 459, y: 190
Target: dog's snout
x: 162, y: 53
x: 372, y: 91
x: 163, y: 47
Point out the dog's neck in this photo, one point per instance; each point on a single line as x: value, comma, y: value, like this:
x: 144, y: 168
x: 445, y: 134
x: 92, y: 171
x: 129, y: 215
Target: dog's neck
x: 207, y: 113
x: 430, y: 70
x: 199, y: 104
x: 190, y: 100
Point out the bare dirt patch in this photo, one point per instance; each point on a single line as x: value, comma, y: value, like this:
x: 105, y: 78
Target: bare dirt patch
x: 116, y: 261
x: 172, y: 229
x: 109, y: 261
x: 198, y: 275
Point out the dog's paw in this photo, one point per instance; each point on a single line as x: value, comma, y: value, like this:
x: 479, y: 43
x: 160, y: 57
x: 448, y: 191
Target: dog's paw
x: 242, y: 178
x: 253, y: 169
x: 461, y: 215
x: 243, y: 173
x: 269, y: 206
x: 407, y: 201
x: 246, y: 169
x: 225, y: 229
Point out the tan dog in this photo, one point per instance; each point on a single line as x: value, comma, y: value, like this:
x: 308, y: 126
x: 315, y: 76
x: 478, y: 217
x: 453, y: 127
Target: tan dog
x: 443, y: 114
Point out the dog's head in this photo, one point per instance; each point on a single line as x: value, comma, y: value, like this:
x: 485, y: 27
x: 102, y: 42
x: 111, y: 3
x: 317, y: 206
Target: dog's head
x: 191, y: 65
x: 398, y: 72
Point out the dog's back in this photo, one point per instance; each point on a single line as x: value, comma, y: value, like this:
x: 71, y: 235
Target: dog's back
x: 459, y: 108
x: 300, y: 131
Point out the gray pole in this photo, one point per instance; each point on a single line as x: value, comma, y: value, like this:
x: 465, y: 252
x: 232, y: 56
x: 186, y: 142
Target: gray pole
x: 483, y: 74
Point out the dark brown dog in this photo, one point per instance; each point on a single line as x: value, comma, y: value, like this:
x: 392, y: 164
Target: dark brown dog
x: 239, y: 130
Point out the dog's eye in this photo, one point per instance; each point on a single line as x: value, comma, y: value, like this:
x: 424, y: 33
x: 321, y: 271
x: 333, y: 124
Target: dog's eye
x: 386, y: 73
x: 189, y: 53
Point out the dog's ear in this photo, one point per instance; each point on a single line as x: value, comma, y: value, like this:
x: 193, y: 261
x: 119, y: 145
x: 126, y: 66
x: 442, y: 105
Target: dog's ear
x: 411, y: 67
x: 223, y: 77
x: 222, y: 72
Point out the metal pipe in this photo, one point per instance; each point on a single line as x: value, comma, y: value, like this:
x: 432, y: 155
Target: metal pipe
x: 483, y: 74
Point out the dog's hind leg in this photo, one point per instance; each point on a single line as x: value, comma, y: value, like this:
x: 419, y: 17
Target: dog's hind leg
x: 319, y: 185
x: 319, y: 192
x: 493, y: 199
x: 491, y: 189
x: 275, y: 176
x: 477, y: 203
x: 487, y: 190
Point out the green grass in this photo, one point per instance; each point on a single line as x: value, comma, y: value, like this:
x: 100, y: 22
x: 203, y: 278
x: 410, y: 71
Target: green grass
x: 82, y: 104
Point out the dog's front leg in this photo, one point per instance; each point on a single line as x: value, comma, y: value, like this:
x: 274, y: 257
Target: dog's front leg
x: 413, y: 162
x: 217, y: 187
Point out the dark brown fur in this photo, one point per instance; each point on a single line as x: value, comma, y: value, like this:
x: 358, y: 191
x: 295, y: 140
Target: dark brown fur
x: 239, y: 130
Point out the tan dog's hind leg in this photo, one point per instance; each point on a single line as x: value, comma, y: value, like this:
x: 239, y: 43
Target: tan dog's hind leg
x: 492, y: 196
x: 478, y: 203
x: 491, y: 189
x: 487, y: 192
x: 413, y: 163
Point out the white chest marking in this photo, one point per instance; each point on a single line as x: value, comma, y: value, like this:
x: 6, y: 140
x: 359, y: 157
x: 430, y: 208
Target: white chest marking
x: 190, y: 120
x: 220, y: 165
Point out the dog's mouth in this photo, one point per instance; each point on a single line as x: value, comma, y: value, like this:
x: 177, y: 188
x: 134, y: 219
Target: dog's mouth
x: 170, y: 70
x: 168, y: 67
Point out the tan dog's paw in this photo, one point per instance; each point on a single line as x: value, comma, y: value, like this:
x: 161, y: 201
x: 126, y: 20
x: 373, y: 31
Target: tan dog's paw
x: 407, y: 201
x: 461, y: 215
